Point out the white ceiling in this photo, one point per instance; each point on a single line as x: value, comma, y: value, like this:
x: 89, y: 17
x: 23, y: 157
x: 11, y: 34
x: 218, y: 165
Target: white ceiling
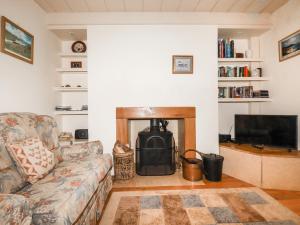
x: 242, y: 6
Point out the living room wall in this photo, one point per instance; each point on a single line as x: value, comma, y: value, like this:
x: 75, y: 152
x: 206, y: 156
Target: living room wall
x: 131, y: 65
x: 26, y: 87
x: 285, y: 75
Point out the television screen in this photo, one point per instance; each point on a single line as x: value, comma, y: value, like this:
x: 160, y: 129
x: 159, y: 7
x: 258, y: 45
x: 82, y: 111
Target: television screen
x: 272, y: 130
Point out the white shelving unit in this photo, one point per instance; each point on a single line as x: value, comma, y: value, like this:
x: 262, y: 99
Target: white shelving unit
x: 73, y: 96
x: 246, y: 39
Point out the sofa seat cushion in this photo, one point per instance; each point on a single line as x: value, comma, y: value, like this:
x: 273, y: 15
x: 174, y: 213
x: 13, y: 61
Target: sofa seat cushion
x: 61, y: 196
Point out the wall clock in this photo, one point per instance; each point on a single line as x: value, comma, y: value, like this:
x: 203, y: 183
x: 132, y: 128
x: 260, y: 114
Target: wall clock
x: 79, y: 47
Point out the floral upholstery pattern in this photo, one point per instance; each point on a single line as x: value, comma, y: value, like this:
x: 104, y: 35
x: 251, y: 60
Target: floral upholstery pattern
x: 72, y: 184
x: 79, y: 151
x: 10, y: 180
x: 47, y: 130
x: 14, y: 209
x: 74, y: 192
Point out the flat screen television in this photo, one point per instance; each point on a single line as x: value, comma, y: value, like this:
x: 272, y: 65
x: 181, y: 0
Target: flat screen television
x: 272, y: 130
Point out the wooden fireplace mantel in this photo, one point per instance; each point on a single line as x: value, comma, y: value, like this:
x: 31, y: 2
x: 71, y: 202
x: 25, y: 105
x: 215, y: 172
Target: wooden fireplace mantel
x: 185, y: 115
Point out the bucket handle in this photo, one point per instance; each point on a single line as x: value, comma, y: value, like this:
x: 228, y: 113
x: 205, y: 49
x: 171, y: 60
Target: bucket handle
x: 192, y: 150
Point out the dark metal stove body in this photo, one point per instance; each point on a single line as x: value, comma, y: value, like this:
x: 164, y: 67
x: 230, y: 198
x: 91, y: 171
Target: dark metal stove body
x: 155, y: 151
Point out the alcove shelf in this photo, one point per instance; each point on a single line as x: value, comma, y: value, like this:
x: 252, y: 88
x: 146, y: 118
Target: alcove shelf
x: 74, y: 112
x: 73, y: 96
x: 240, y: 60
x: 243, y: 100
x: 70, y: 89
x: 247, y: 41
x: 72, y: 55
x: 71, y: 70
x: 246, y: 79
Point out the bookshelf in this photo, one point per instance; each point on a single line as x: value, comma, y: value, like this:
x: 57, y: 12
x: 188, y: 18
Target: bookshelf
x: 240, y: 74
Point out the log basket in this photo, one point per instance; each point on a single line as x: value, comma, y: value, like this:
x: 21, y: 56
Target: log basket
x: 124, y: 165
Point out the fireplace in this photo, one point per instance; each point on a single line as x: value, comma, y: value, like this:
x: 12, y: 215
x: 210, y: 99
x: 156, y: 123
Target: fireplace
x: 184, y: 115
x: 155, y: 150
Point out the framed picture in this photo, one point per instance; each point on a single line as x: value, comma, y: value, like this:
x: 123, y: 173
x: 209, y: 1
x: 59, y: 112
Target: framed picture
x: 289, y: 46
x: 15, y: 41
x: 76, y: 64
x: 182, y: 64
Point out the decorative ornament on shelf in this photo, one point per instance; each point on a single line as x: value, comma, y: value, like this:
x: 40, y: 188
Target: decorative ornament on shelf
x: 79, y: 47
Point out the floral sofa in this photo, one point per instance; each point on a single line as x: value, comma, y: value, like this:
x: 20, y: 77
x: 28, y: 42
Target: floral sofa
x: 74, y: 192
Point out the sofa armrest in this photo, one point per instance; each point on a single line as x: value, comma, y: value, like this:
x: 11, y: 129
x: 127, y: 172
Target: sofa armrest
x: 14, y: 209
x: 81, y: 150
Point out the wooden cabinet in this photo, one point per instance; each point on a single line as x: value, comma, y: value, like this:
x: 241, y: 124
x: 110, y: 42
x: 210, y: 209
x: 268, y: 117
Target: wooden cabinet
x: 273, y: 170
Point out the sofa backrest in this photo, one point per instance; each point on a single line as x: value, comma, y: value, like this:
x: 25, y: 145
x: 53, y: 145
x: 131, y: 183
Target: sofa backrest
x: 16, y: 127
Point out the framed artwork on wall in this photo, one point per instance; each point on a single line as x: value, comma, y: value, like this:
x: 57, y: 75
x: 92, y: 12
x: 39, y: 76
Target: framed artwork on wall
x: 289, y: 46
x: 182, y: 64
x: 15, y: 41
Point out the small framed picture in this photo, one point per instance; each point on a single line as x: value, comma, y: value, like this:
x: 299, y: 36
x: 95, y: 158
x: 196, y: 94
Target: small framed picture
x: 15, y: 41
x: 182, y: 64
x: 77, y: 64
x: 289, y: 46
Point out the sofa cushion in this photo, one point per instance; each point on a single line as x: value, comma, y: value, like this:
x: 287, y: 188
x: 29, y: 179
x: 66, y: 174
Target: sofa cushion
x: 47, y: 130
x: 61, y: 196
x: 33, y: 160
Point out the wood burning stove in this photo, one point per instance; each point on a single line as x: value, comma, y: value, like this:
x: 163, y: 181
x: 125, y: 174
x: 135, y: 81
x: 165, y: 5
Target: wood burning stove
x: 155, y: 150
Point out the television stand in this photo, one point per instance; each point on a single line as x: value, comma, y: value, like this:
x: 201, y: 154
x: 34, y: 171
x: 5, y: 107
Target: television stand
x: 269, y: 167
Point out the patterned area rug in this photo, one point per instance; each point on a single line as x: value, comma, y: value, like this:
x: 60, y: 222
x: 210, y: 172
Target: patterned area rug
x: 249, y: 206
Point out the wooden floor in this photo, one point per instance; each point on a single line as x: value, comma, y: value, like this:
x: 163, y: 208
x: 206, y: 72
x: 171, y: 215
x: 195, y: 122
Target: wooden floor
x: 290, y: 199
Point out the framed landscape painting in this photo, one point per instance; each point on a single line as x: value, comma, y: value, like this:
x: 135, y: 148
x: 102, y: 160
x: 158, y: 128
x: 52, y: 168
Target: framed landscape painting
x: 15, y: 41
x: 289, y: 46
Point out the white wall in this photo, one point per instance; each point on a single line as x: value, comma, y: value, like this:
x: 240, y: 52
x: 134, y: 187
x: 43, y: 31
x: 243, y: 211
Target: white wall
x: 285, y: 76
x: 131, y: 65
x: 26, y: 87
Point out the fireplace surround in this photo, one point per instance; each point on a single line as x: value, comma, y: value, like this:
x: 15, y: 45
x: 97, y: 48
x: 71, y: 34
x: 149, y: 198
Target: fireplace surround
x: 186, y: 117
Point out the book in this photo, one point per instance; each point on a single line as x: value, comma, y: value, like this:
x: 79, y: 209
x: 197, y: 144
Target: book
x: 226, y: 48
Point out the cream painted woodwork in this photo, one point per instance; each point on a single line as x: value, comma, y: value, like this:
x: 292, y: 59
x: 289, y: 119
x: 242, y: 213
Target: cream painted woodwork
x: 265, y: 170
x: 241, y: 6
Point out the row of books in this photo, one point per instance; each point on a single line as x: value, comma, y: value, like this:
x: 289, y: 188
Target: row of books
x: 236, y: 92
x: 236, y: 71
x: 225, y: 48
